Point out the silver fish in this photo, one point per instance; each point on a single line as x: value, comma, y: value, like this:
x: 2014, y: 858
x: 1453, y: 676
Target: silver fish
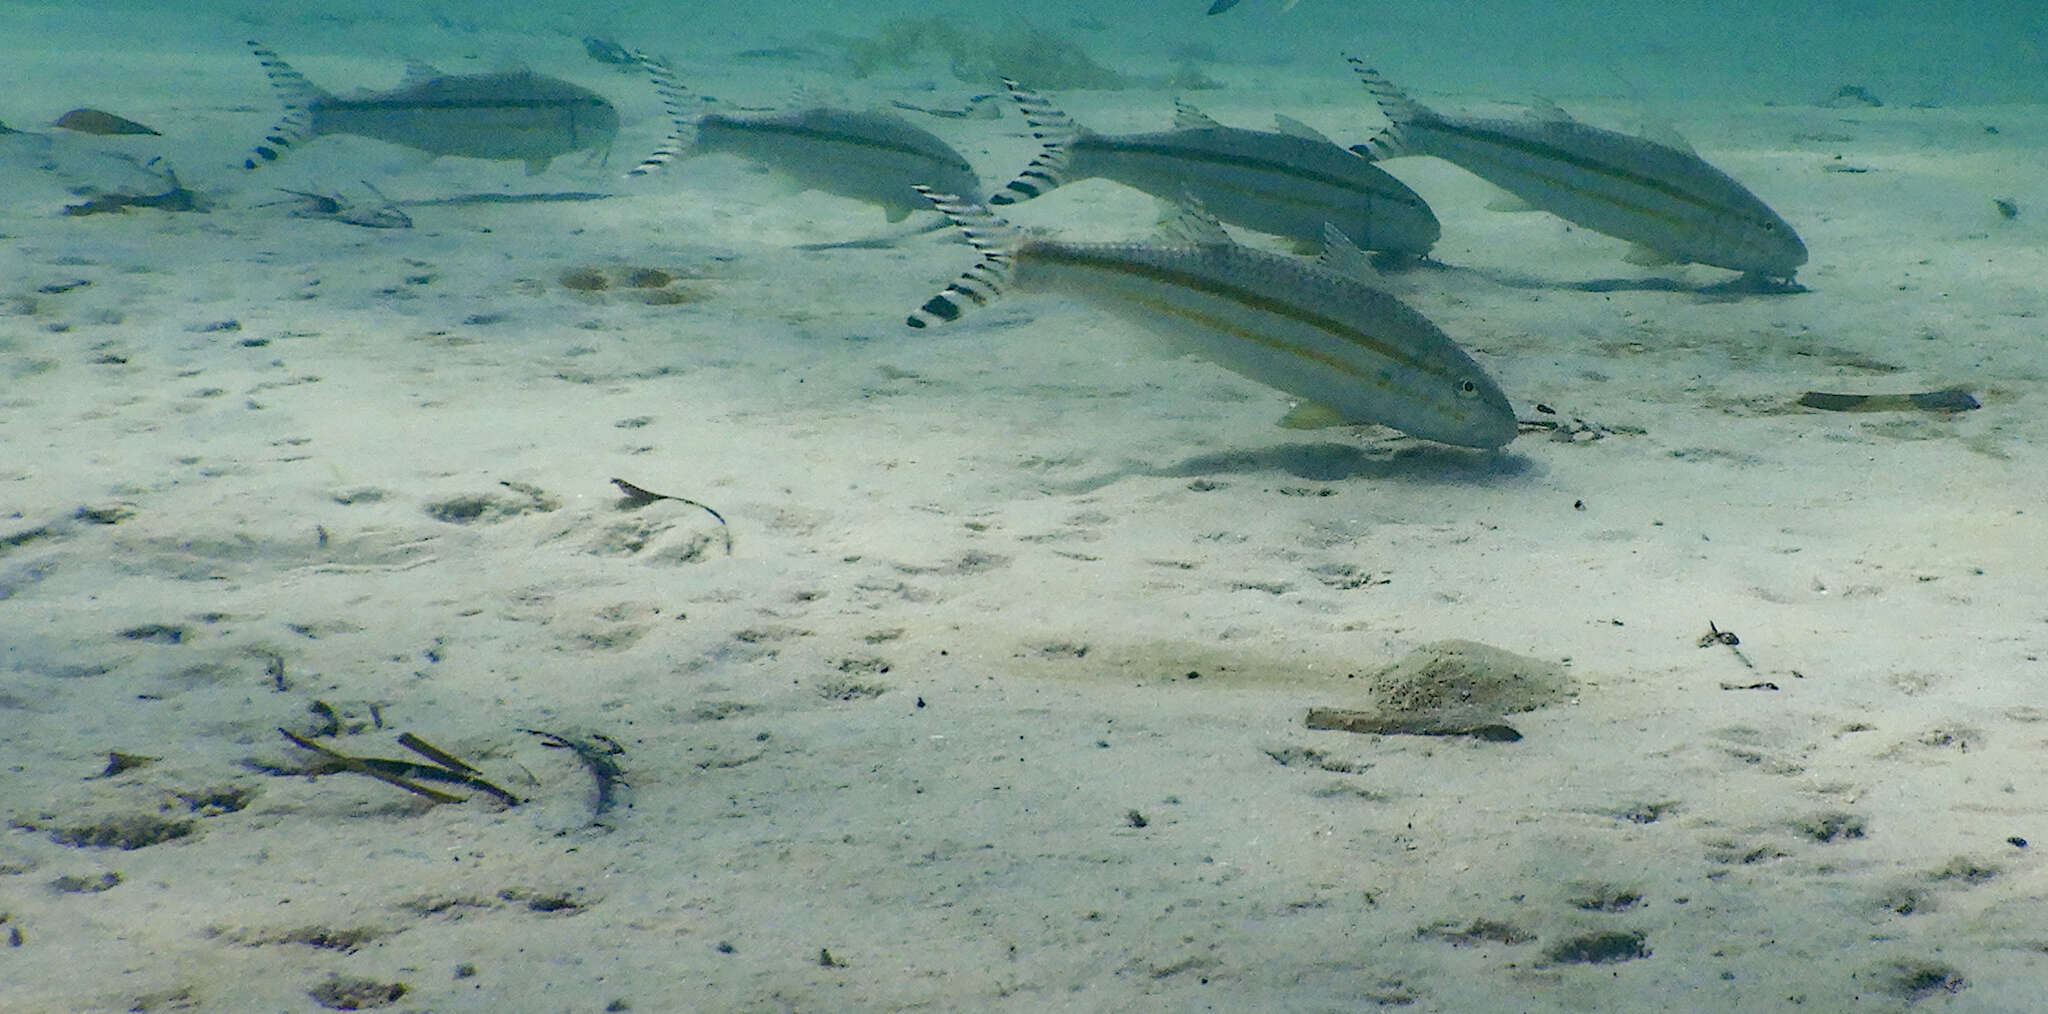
x: 1353, y: 353
x: 874, y: 157
x: 868, y: 156
x: 1283, y: 183
x: 1665, y: 200
x: 506, y: 116
x: 1223, y: 5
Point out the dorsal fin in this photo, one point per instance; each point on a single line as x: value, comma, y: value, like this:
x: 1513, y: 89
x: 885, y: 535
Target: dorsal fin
x: 811, y: 95
x: 1055, y: 131
x: 1666, y: 133
x: 981, y: 284
x: 1543, y: 110
x: 671, y: 91
x: 1185, y: 222
x: 419, y: 72
x: 299, y: 96
x: 1651, y: 128
x: 1295, y: 128
x: 1342, y: 256
x: 1187, y: 117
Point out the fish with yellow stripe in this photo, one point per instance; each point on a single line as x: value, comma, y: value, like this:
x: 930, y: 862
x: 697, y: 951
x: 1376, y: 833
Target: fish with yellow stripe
x: 506, y: 115
x: 1351, y: 352
x: 1283, y: 183
x: 871, y: 156
x: 1666, y: 200
x: 868, y: 156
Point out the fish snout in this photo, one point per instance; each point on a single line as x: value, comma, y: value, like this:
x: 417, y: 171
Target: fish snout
x: 1475, y: 412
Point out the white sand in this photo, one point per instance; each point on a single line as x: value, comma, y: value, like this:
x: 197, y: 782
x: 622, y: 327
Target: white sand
x: 995, y: 588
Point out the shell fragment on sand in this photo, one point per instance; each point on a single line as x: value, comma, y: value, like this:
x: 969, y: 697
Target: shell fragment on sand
x: 99, y: 121
x: 1451, y: 688
x: 1946, y: 400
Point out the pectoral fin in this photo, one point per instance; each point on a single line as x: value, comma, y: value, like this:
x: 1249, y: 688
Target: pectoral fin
x: 1644, y: 257
x: 1295, y: 128
x: 1309, y: 415
x: 1508, y: 203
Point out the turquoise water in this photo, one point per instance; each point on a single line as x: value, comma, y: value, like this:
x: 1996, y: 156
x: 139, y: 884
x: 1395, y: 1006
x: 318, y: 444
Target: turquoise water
x: 966, y: 668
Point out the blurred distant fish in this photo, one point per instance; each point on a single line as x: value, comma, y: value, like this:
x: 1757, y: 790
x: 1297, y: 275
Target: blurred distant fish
x: 606, y: 51
x: 1223, y: 5
x: 505, y: 116
x: 1351, y: 352
x: 876, y: 157
x: 1668, y: 201
x: 869, y: 156
x: 1287, y: 183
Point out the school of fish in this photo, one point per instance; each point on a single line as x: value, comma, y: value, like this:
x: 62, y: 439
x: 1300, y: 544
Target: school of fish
x: 1319, y: 328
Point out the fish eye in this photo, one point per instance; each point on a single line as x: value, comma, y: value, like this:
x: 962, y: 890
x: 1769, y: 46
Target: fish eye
x: 1467, y: 388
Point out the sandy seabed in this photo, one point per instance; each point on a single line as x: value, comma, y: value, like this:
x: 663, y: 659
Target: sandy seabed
x: 997, y: 699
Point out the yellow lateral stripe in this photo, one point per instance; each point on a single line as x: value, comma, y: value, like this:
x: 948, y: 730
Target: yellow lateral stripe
x: 1537, y: 149
x: 1275, y: 197
x: 1380, y: 381
x: 851, y: 140
x: 1596, y: 195
x: 1245, y: 162
x: 1248, y: 298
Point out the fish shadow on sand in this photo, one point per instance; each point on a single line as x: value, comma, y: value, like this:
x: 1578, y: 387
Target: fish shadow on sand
x: 1727, y: 288
x: 1330, y: 462
x: 1730, y: 288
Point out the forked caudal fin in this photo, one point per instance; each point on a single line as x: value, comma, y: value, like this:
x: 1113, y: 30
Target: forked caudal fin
x: 980, y: 284
x: 671, y: 91
x: 1055, y: 130
x: 1399, y: 109
x: 298, y: 94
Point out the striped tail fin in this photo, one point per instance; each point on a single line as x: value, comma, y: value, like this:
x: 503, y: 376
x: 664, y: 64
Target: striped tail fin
x: 299, y: 97
x: 980, y: 284
x: 671, y: 91
x: 1399, y: 109
x: 1053, y: 129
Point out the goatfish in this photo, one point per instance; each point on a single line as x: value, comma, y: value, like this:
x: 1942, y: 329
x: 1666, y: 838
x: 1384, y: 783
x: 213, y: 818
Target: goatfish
x: 1667, y: 201
x: 1352, y: 353
x: 505, y: 116
x: 877, y: 157
x: 869, y: 156
x: 1286, y: 183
